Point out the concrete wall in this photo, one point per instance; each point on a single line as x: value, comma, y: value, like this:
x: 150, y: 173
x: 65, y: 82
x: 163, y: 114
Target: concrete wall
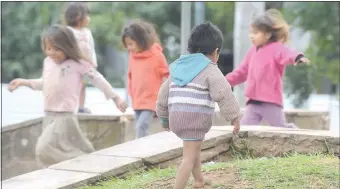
x: 304, y: 119
x: 166, y: 150
x: 19, y: 140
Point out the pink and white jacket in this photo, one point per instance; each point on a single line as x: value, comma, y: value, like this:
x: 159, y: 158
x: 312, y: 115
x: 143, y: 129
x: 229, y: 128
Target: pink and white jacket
x: 262, y: 70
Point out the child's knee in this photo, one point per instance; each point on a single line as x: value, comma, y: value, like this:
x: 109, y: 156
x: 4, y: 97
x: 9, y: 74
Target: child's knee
x: 189, y: 161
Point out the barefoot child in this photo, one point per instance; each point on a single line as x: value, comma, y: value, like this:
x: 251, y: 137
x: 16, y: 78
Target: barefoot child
x: 263, y: 69
x: 186, y: 101
x: 63, y: 71
x: 77, y: 19
x: 147, y: 70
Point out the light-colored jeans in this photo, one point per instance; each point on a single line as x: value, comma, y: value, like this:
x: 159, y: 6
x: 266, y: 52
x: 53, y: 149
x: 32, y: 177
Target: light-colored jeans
x: 143, y: 121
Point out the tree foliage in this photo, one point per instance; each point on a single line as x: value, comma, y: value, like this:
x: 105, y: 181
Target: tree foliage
x: 22, y: 25
x: 322, y: 20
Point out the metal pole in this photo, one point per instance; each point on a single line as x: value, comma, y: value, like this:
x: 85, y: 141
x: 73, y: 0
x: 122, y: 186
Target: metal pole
x: 185, y: 25
x: 199, y: 13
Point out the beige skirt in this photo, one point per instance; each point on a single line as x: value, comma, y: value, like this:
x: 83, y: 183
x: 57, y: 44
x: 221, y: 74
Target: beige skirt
x: 61, y: 139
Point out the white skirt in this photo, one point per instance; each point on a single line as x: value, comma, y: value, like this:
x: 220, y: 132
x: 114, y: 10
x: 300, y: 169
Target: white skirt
x: 61, y: 139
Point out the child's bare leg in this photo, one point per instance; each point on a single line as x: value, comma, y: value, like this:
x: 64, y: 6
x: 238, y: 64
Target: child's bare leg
x: 197, y: 172
x: 191, y: 150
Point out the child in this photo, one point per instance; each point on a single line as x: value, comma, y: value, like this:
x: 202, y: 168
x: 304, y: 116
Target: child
x: 77, y: 19
x: 263, y: 69
x: 186, y: 101
x: 146, y: 72
x: 63, y: 71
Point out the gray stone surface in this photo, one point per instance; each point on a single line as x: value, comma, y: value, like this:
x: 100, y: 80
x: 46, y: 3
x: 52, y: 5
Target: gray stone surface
x: 206, y: 155
x: 105, y: 165
x: 165, y: 149
x: 304, y: 119
x: 49, y: 179
x: 277, y: 143
x: 152, y: 149
x: 216, y: 137
x: 19, y: 140
x: 18, y: 150
x: 279, y: 130
x: 159, y: 147
x: 19, y: 143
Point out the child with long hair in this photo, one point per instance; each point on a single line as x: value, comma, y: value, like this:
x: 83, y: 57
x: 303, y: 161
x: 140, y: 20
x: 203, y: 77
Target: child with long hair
x: 263, y: 69
x: 147, y: 70
x: 186, y: 101
x: 77, y: 18
x: 63, y: 71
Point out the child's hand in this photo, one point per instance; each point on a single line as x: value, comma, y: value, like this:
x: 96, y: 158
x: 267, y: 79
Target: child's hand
x: 303, y: 60
x: 120, y: 103
x: 236, y: 124
x: 14, y: 84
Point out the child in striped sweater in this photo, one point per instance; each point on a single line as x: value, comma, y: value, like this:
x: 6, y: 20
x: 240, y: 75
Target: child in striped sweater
x: 186, y: 101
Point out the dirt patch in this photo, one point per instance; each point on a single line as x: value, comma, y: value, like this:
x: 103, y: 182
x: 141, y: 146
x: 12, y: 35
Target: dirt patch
x: 221, y: 179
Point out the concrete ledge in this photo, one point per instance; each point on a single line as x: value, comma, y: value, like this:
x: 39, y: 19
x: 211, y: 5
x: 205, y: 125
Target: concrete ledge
x: 103, y: 131
x: 19, y: 140
x: 104, y: 165
x: 50, y: 179
x: 21, y: 125
x: 159, y: 147
x: 304, y: 119
x: 165, y: 149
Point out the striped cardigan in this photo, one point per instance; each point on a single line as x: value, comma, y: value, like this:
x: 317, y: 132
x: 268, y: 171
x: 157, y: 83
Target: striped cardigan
x: 188, y: 110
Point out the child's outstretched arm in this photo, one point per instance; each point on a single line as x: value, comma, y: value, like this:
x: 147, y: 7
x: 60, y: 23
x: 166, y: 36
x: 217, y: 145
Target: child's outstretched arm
x: 35, y: 84
x: 162, y: 110
x: 97, y: 80
x: 288, y: 56
x: 239, y: 75
x: 220, y: 91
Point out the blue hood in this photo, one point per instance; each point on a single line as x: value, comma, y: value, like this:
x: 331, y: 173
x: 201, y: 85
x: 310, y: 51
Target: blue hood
x: 187, y: 67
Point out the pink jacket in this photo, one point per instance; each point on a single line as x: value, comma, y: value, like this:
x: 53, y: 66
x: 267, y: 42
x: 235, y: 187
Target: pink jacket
x: 61, y: 84
x: 263, y: 70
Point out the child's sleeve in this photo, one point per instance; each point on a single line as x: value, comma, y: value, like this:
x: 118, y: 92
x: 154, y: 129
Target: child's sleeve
x: 96, y: 79
x: 220, y: 91
x: 36, y: 84
x: 129, y: 81
x: 239, y: 75
x: 93, y: 50
x: 288, y: 56
x: 162, y: 104
x: 163, y: 67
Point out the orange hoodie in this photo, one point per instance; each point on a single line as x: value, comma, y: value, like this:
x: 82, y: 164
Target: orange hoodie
x: 145, y: 77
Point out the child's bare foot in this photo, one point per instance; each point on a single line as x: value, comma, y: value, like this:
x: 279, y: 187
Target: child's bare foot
x: 201, y: 184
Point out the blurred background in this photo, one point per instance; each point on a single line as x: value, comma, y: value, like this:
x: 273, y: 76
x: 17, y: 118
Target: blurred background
x: 314, y: 30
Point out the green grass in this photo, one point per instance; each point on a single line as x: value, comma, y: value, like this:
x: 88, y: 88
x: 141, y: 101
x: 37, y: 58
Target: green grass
x: 293, y: 172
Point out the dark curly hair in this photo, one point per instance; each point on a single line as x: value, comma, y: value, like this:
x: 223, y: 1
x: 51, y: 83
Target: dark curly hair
x: 205, y: 38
